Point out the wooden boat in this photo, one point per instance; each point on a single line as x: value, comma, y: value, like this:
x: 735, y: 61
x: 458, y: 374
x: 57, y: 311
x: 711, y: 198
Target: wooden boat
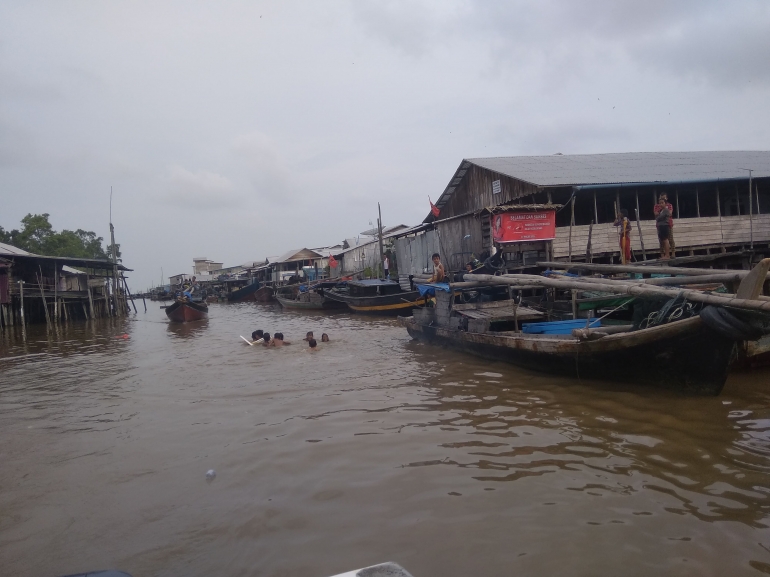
x: 255, y: 292
x: 184, y: 310
x: 377, y: 297
x: 690, y: 354
x: 312, y: 298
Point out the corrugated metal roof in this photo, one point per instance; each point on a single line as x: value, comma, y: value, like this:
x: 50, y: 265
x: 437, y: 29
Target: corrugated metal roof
x: 12, y: 250
x: 630, y: 167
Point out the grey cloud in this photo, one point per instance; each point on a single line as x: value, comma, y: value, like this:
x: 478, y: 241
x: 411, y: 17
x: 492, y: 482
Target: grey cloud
x: 266, y: 171
x: 199, y: 190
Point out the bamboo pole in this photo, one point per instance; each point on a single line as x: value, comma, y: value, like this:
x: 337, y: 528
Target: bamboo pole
x: 652, y: 292
x: 751, y: 216
x: 639, y: 227
x: 23, y: 320
x: 697, y: 201
x: 674, y: 280
x: 639, y: 269
x: 596, y: 210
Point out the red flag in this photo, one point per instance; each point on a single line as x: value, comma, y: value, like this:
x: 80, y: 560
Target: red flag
x: 433, y: 208
x: 332, y: 261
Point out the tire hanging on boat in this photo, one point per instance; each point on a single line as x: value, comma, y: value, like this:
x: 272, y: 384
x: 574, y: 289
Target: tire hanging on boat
x: 722, y: 321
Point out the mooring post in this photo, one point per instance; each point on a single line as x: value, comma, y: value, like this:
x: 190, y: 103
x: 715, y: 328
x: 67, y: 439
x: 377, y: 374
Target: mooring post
x: 23, y: 320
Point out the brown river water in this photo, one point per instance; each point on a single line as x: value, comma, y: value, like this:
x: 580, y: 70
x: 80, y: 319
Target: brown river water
x: 373, y: 448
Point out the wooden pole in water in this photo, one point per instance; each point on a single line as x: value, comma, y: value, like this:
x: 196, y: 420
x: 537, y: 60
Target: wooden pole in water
x: 23, y: 320
x: 128, y: 292
x: 56, y: 291
x: 382, y: 251
x: 719, y: 214
x: 42, y: 296
x: 90, y: 297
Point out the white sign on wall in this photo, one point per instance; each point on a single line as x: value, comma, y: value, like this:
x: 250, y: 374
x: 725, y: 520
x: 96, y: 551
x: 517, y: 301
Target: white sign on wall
x: 496, y: 187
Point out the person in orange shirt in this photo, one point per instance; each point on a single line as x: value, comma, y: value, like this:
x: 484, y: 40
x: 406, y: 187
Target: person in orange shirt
x: 625, y: 236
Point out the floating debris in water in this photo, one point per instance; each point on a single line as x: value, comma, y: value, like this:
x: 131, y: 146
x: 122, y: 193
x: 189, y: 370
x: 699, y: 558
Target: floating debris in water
x: 211, y: 474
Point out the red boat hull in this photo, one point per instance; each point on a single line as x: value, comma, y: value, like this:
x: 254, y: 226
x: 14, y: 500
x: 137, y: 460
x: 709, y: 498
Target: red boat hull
x: 185, y: 312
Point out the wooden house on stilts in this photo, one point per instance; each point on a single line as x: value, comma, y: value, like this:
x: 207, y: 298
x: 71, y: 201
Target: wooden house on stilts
x: 35, y: 288
x: 720, y: 200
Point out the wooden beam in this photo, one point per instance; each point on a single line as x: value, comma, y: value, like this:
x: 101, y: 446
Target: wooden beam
x: 636, y: 268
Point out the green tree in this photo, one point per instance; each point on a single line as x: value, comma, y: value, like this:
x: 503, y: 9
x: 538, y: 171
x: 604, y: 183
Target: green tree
x: 38, y: 236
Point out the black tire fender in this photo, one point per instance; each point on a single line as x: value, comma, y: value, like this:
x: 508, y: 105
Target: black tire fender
x: 718, y: 322
x: 749, y: 332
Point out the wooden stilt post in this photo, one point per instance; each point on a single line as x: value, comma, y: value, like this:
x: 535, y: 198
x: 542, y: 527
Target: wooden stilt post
x: 128, y: 293
x: 23, y: 320
x: 641, y: 238
x: 42, y: 296
x: 56, y: 291
x: 90, y: 297
x: 596, y: 210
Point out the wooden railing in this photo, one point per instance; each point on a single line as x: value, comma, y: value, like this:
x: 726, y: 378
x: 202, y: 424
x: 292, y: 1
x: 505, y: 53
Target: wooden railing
x: 689, y: 234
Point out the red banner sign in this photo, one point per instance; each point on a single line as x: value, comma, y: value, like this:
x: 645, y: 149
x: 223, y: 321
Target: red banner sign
x: 524, y: 226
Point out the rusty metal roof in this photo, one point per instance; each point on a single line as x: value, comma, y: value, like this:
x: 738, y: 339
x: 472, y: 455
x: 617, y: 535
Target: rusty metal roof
x: 629, y: 167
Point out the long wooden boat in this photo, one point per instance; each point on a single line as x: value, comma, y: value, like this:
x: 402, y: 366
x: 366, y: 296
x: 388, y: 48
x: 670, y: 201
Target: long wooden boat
x: 308, y: 298
x: 377, y: 297
x: 687, y: 354
x: 254, y: 292
x: 183, y: 311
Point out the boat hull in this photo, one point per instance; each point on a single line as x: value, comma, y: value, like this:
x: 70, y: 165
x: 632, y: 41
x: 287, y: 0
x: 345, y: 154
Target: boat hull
x: 185, y: 312
x: 251, y: 293
x: 684, y: 355
x: 394, y: 304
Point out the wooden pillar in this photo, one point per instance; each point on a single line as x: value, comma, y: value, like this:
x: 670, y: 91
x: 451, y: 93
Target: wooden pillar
x: 639, y: 228
x: 737, y: 200
x: 676, y: 195
x: 756, y: 188
x: 56, y: 291
x: 697, y: 201
x: 721, y: 230
x: 23, y: 320
x: 42, y: 296
x: 90, y: 298
x: 589, y: 251
x: 596, y: 210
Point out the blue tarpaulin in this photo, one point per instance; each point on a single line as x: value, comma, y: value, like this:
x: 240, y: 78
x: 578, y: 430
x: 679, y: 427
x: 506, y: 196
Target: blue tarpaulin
x: 430, y: 289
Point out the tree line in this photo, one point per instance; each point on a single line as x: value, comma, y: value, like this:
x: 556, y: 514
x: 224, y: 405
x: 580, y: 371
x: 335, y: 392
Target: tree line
x: 38, y: 236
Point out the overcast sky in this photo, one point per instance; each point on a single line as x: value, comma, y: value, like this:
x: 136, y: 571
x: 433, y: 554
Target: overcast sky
x: 238, y: 130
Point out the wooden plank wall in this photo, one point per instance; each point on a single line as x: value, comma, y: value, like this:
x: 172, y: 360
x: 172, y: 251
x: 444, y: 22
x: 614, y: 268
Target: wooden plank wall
x: 689, y: 233
x: 475, y: 192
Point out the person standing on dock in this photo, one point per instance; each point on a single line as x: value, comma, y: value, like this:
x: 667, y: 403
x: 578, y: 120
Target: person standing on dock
x: 662, y: 216
x: 386, y: 266
x: 625, y: 236
x: 669, y: 206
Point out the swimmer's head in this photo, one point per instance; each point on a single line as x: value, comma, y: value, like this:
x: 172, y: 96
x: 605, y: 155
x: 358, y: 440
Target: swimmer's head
x: 312, y: 343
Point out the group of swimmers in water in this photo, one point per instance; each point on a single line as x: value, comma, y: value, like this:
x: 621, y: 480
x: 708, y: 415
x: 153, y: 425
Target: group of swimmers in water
x: 260, y: 337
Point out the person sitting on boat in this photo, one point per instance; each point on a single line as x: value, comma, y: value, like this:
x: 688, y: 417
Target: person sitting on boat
x: 256, y: 337
x: 324, y: 338
x: 312, y: 344
x: 266, y: 339
x: 278, y: 340
x: 625, y: 236
x: 438, y: 269
x: 308, y: 336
